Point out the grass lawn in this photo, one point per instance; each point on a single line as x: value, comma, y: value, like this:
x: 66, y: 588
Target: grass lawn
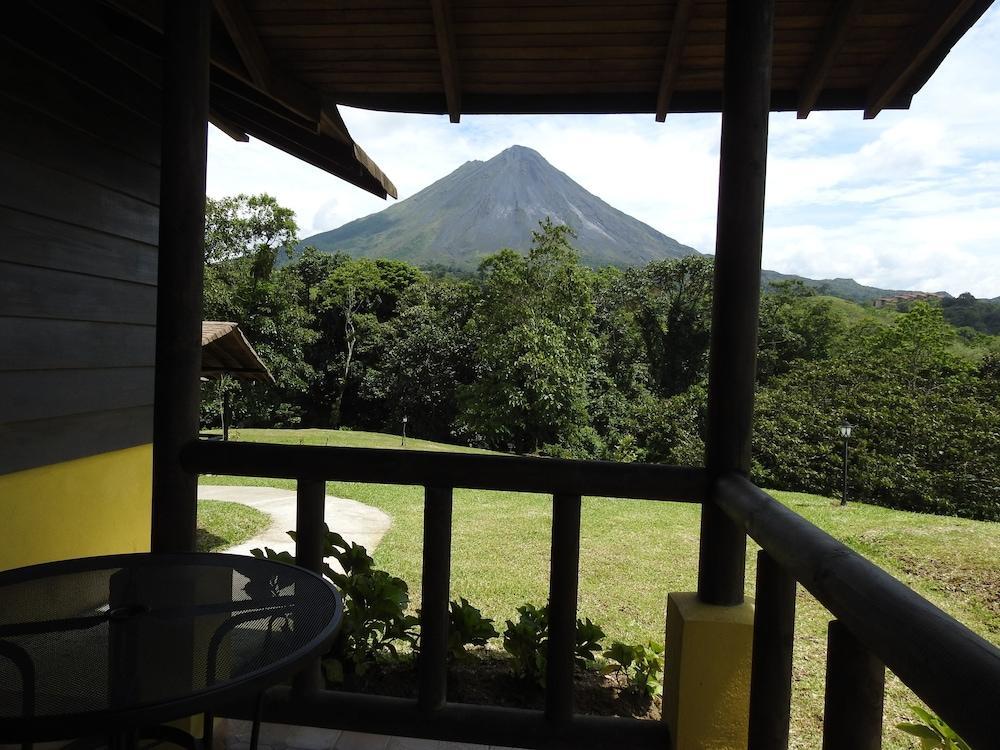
x: 222, y: 525
x: 633, y: 552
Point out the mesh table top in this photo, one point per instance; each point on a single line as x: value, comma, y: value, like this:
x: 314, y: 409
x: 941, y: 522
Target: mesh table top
x: 145, y: 638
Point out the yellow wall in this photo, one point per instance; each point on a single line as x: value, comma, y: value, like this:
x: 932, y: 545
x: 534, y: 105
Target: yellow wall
x: 90, y: 506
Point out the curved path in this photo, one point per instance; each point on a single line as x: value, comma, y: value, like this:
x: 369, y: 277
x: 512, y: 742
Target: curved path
x: 355, y: 521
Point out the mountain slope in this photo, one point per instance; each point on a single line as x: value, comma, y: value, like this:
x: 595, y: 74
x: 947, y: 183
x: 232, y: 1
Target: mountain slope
x: 484, y: 206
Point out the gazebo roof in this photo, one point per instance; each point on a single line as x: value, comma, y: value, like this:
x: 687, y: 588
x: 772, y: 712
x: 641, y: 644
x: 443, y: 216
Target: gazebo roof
x: 281, y: 67
x: 225, y: 350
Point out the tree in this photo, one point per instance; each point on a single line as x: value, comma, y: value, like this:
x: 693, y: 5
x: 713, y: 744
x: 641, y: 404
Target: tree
x: 358, y: 297
x: 533, y: 346
x: 928, y: 428
x: 795, y: 324
x: 243, y: 237
x: 673, y: 305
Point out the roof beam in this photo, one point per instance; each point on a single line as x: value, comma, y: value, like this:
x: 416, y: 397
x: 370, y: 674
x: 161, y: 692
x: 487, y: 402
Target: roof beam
x: 672, y: 62
x: 228, y: 127
x: 912, y: 54
x: 829, y: 45
x: 444, y: 30
x: 241, y: 30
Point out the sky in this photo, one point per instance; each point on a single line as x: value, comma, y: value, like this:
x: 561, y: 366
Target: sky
x: 909, y: 200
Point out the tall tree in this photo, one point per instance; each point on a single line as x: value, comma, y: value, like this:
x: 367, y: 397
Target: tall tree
x: 534, y: 346
x: 244, y: 235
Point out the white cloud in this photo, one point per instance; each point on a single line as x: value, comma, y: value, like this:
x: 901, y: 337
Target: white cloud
x: 908, y: 200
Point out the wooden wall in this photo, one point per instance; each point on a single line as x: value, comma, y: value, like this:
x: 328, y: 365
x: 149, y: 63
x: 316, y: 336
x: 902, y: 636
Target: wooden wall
x: 79, y: 185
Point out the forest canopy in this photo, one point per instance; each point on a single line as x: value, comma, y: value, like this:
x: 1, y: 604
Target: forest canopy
x: 539, y: 354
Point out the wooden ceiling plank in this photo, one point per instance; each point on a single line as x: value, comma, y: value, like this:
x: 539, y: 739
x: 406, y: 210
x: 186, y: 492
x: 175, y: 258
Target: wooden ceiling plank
x: 241, y: 30
x: 893, y: 76
x: 845, y: 12
x: 444, y: 32
x: 672, y: 61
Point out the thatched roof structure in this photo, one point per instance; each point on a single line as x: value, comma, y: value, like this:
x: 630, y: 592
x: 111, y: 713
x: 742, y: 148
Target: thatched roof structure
x: 225, y: 350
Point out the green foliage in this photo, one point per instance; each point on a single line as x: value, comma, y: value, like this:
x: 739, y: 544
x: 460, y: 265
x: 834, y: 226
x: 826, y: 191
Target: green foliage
x: 533, y: 342
x: 933, y: 733
x: 467, y: 627
x: 539, y: 354
x: 243, y: 237
x: 927, y: 424
x: 640, y: 666
x: 375, y: 606
x: 527, y: 642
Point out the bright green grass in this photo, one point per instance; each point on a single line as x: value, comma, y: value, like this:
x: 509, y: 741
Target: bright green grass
x: 222, y: 525
x: 340, y: 438
x: 634, y: 552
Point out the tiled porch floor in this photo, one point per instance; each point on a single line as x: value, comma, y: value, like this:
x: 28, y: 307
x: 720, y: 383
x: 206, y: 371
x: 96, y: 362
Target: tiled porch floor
x: 232, y: 734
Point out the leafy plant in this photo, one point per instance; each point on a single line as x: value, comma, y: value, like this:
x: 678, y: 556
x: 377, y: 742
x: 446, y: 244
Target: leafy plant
x: 467, y: 627
x: 527, y: 642
x: 640, y: 666
x: 375, y: 604
x: 933, y: 733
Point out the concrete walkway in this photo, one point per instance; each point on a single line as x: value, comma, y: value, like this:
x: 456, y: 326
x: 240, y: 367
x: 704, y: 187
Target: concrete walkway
x: 355, y: 521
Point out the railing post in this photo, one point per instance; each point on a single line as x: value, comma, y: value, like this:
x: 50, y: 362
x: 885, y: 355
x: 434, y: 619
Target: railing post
x: 563, y: 581
x: 736, y: 288
x: 771, y: 673
x: 855, y: 690
x: 434, y: 596
x: 310, y: 507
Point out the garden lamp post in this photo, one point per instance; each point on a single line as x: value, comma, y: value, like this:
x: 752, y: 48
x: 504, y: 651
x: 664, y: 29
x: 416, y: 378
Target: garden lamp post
x: 404, y: 431
x: 845, y: 432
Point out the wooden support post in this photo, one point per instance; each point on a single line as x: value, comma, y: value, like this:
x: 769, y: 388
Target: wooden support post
x: 771, y: 673
x: 434, y: 596
x: 563, y: 581
x: 855, y: 690
x: 310, y: 512
x: 180, y: 270
x: 733, y: 360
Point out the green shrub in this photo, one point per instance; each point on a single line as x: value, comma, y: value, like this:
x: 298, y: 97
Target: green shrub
x: 640, y: 666
x: 934, y: 734
x: 467, y: 627
x: 527, y: 642
x: 375, y: 605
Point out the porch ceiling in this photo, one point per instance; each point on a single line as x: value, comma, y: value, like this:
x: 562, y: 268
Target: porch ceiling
x: 577, y: 56
x: 281, y: 67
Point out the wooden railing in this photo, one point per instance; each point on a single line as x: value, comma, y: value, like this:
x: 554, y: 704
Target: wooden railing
x: 430, y: 715
x: 880, y: 623
x: 879, y: 620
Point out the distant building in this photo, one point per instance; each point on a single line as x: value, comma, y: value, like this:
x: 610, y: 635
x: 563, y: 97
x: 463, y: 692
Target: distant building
x: 906, y: 297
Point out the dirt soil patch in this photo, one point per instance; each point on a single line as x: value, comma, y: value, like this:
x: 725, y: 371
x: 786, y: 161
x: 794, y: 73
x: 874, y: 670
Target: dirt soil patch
x: 486, y: 678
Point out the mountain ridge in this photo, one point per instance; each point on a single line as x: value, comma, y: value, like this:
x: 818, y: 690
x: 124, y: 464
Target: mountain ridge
x: 484, y: 206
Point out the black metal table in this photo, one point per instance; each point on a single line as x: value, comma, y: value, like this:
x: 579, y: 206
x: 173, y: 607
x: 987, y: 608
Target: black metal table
x: 110, y: 644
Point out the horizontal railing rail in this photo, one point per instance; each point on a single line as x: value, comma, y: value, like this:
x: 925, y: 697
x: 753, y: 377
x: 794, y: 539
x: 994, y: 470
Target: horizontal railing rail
x: 430, y: 715
x: 952, y: 669
x: 476, y: 471
x: 879, y: 621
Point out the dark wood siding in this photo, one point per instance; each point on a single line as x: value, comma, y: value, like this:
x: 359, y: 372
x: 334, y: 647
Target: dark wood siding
x: 79, y: 156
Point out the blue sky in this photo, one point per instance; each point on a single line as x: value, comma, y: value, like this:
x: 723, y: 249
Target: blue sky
x: 909, y: 200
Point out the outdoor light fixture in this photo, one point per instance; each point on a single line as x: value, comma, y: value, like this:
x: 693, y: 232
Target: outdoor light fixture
x: 845, y: 432
x: 404, y: 430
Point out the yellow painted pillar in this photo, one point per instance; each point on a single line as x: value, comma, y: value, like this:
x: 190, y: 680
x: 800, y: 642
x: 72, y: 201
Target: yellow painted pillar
x: 706, y: 685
